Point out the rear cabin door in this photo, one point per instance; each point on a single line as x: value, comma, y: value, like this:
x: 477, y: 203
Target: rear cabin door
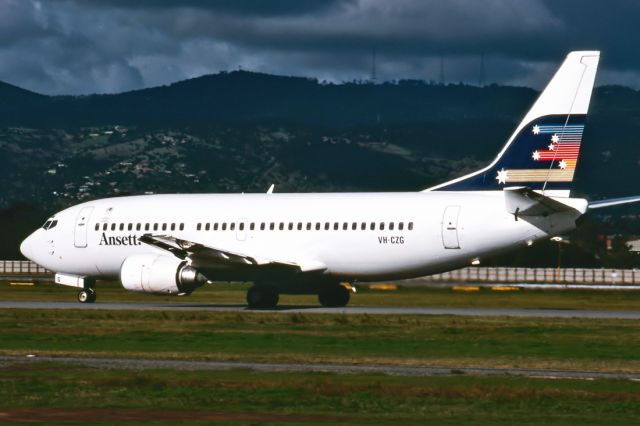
x: 82, y: 223
x: 450, y: 238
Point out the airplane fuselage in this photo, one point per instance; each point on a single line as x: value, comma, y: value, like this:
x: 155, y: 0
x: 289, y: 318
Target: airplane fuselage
x: 349, y: 236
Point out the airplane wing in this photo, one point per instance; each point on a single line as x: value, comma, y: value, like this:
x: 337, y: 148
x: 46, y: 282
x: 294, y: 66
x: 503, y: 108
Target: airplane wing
x: 205, y: 256
x: 524, y: 201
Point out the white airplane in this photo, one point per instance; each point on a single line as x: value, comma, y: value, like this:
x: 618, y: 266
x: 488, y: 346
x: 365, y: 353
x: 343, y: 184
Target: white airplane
x: 311, y: 243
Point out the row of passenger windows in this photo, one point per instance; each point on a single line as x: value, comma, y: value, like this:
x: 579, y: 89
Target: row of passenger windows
x: 271, y: 226
x: 141, y: 226
x: 281, y: 226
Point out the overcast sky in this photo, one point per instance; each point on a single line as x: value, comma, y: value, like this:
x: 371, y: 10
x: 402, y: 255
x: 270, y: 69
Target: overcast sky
x: 106, y: 46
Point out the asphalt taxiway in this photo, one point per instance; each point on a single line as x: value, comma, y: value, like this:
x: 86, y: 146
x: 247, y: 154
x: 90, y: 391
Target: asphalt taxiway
x: 350, y: 310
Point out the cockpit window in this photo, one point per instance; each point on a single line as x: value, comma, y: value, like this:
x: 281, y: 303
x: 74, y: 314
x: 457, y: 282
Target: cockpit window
x: 49, y: 224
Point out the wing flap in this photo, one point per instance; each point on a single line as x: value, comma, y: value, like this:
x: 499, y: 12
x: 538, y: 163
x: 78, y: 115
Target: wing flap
x: 207, y: 256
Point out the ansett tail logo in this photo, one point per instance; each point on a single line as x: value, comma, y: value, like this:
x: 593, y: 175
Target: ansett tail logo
x: 120, y: 240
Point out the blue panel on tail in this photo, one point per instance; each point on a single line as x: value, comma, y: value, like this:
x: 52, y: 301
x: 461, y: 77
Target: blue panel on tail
x: 546, y: 149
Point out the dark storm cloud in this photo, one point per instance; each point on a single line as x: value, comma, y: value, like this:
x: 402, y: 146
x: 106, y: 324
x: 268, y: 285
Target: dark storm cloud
x: 240, y: 7
x: 83, y: 46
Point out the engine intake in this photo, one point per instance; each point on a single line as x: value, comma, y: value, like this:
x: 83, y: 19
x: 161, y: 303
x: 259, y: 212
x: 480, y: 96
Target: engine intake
x: 155, y: 273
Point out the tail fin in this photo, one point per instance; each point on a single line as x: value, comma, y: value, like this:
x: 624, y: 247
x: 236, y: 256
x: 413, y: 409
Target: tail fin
x: 542, y: 153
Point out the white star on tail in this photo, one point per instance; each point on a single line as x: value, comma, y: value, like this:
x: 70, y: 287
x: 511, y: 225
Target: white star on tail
x: 502, y: 176
x: 536, y: 155
x: 562, y: 164
x: 555, y: 138
x: 536, y: 130
x: 552, y: 147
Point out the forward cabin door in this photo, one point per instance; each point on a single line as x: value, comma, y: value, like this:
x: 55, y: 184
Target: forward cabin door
x: 450, y: 238
x: 82, y: 222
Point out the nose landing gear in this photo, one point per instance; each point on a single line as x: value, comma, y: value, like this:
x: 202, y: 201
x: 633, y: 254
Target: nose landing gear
x: 87, y: 295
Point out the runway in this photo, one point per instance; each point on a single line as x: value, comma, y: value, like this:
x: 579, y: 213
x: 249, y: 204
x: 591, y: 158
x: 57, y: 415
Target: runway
x: 350, y: 310
x: 394, y: 370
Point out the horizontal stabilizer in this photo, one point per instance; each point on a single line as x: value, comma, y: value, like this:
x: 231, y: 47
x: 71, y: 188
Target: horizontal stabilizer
x: 613, y: 202
x: 523, y: 201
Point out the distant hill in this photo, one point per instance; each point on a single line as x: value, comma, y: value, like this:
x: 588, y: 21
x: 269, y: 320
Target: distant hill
x: 242, y: 131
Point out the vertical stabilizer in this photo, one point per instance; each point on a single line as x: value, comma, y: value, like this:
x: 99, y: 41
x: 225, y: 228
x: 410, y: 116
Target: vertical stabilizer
x: 542, y: 153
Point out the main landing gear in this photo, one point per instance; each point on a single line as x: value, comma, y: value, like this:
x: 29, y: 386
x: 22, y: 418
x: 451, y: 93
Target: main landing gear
x: 87, y: 295
x: 266, y: 297
x: 336, y: 296
x: 262, y: 297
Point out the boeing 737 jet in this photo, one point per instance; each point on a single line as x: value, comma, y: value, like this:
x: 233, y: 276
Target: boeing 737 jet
x: 311, y: 243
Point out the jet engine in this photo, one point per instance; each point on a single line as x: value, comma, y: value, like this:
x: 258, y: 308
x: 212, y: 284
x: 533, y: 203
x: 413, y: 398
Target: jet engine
x: 156, y: 273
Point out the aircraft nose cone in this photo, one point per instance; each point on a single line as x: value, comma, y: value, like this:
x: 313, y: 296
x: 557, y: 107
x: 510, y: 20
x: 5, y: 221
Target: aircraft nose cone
x: 26, y: 249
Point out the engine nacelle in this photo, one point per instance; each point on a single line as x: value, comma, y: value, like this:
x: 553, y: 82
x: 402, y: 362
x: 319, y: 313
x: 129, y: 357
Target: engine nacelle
x: 155, y: 273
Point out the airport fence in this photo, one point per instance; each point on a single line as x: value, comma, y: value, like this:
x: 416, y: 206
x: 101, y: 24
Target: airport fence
x: 471, y: 274
x: 538, y: 275
x: 22, y: 267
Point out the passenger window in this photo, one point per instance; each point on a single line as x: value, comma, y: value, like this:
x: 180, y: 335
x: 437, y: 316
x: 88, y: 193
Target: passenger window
x: 363, y: 226
x: 241, y: 226
x: 299, y: 226
x: 232, y: 226
x: 308, y: 226
x: 97, y: 226
x: 215, y: 226
x: 146, y: 226
x: 290, y: 226
x: 382, y: 226
x: 182, y: 226
x: 354, y: 226
x: 224, y: 226
x: 122, y: 226
x: 391, y: 226
x: 401, y: 226
x: 104, y: 227
x: 130, y: 227
x: 262, y: 226
x: 113, y: 226
x: 272, y: 226
x: 410, y: 226
x: 372, y: 226
x: 138, y: 226
x: 155, y: 226
x: 252, y: 226
x: 317, y: 226
x: 282, y: 226
x: 336, y: 225
x: 326, y: 226
x: 173, y: 227
x: 198, y: 227
x: 345, y: 226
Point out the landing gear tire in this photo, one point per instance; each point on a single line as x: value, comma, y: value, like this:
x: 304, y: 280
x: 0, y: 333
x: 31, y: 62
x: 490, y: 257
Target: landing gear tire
x: 334, y: 297
x: 87, y: 295
x: 262, y: 297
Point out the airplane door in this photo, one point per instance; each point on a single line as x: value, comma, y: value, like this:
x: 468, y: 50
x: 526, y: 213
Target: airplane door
x: 82, y: 221
x: 450, y: 227
x: 241, y: 229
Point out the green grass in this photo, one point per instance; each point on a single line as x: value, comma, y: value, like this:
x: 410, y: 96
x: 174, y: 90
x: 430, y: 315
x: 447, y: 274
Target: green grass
x: 603, y: 344
x: 237, y: 396
x: 415, y: 296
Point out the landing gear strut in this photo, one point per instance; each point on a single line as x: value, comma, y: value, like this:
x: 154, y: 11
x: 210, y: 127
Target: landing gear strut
x: 262, y: 297
x: 336, y: 296
x: 88, y: 295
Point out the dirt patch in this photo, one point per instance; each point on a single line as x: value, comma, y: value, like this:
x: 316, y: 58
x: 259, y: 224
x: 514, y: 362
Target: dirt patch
x: 45, y: 415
